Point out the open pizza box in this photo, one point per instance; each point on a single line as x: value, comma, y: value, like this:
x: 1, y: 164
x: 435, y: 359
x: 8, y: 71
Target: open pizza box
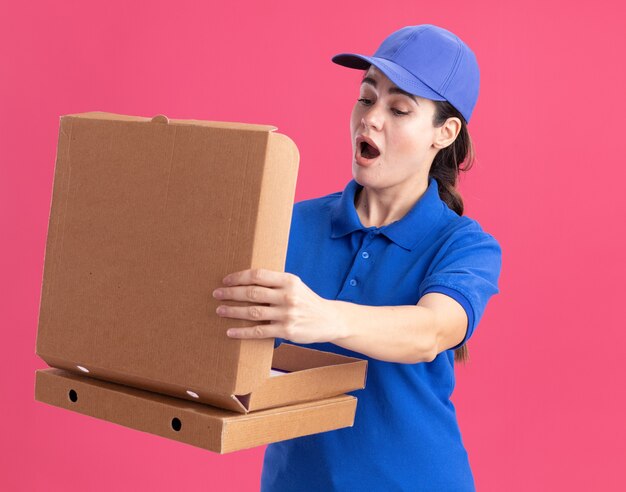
x: 147, y: 216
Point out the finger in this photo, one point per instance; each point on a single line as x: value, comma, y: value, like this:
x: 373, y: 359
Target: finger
x: 250, y: 293
x: 259, y: 331
x: 259, y: 276
x: 254, y: 312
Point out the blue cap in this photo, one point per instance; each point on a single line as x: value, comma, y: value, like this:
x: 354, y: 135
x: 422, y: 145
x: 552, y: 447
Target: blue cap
x: 427, y: 61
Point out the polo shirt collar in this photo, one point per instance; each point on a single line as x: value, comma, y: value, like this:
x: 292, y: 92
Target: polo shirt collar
x: 407, y: 232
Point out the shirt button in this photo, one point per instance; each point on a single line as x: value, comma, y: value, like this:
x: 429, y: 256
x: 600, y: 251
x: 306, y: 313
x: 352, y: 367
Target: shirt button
x: 365, y: 255
x: 352, y: 282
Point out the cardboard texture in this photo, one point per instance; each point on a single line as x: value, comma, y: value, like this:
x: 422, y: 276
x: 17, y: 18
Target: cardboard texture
x: 147, y: 217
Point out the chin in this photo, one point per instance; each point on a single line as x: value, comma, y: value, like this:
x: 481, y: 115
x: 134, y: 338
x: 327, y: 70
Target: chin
x: 366, y: 176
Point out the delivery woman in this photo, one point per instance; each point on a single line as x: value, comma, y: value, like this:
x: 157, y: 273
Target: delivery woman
x: 388, y: 270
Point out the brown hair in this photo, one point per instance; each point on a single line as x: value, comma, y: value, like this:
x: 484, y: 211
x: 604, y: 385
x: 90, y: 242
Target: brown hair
x: 446, y: 167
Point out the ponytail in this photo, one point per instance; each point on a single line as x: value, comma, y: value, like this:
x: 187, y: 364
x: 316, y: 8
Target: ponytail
x: 446, y: 167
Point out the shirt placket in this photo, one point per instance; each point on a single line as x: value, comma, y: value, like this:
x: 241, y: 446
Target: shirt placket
x: 362, y: 262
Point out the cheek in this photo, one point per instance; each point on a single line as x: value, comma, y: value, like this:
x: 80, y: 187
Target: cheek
x: 407, y: 152
x: 410, y: 140
x: 354, y: 117
x: 405, y: 143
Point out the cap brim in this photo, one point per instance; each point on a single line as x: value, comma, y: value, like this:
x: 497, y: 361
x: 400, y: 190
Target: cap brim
x: 398, y: 75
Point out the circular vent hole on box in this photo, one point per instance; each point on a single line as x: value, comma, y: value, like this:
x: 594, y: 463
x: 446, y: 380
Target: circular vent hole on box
x: 73, y: 396
x: 176, y: 424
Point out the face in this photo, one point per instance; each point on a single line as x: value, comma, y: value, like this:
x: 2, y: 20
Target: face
x: 400, y: 126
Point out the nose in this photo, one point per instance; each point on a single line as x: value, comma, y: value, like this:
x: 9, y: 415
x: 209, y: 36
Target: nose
x: 372, y: 118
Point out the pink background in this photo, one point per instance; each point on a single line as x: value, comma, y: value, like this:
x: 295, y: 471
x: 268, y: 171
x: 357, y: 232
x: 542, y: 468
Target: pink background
x: 541, y: 405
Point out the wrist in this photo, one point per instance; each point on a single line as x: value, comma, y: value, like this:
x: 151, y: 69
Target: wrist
x: 339, y: 320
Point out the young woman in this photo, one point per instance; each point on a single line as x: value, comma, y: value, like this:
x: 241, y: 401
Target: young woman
x: 388, y: 270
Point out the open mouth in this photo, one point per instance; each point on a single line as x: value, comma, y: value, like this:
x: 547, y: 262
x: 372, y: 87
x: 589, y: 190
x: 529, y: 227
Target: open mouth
x: 368, y: 151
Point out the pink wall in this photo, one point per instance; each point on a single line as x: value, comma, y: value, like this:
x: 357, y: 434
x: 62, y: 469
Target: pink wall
x: 541, y: 404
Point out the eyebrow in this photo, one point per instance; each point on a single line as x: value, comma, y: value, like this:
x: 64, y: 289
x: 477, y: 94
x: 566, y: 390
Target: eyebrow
x: 392, y: 89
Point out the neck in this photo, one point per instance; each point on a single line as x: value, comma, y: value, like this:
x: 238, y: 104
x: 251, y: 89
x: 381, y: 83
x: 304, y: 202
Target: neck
x: 380, y: 207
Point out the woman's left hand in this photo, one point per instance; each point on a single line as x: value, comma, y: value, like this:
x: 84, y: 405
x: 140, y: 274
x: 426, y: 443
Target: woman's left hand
x: 295, y: 312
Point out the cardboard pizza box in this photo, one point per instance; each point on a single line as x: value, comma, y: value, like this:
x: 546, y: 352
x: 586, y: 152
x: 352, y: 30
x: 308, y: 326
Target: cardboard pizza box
x: 197, y: 424
x: 147, y: 216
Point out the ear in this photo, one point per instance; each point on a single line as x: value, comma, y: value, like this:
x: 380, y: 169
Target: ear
x: 446, y: 134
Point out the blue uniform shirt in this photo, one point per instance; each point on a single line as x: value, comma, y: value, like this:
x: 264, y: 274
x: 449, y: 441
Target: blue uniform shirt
x: 405, y: 435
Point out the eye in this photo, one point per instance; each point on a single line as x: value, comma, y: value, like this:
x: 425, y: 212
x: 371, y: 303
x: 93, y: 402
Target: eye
x: 397, y: 112
x: 364, y: 101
